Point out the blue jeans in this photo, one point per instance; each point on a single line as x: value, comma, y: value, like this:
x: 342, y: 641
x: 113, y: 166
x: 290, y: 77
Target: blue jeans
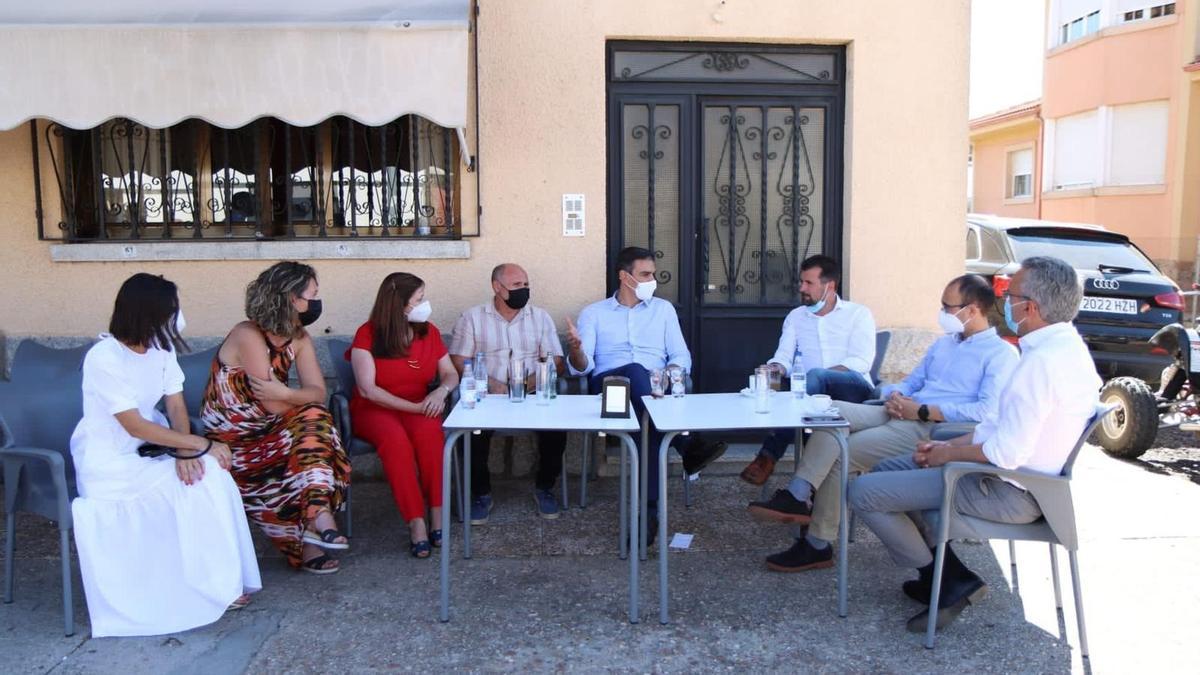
x: 639, y: 384
x: 839, y: 385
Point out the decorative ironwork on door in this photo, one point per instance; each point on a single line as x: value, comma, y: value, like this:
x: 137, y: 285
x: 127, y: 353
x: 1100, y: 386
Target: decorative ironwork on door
x: 650, y: 135
x: 763, y: 207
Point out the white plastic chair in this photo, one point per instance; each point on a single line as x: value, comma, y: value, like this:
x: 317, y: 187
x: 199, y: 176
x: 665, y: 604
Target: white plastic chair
x: 1056, y: 526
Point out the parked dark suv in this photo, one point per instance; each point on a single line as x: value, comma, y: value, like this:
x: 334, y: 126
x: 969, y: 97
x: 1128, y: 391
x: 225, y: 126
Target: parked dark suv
x: 1126, y: 299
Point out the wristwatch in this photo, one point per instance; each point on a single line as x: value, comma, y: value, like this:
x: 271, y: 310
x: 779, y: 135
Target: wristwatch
x: 923, y: 413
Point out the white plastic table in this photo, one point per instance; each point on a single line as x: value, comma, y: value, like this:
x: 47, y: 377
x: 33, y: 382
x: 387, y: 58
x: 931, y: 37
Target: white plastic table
x: 565, y: 413
x: 735, y: 412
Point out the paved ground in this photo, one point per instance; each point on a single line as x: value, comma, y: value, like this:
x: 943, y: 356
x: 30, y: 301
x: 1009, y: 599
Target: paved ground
x: 551, y: 596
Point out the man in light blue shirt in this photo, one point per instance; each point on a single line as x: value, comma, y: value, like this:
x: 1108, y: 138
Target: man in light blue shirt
x: 958, y: 381
x: 630, y: 334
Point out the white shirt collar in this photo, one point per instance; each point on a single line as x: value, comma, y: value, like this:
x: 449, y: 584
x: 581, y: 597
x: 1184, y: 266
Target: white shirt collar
x: 1045, y: 334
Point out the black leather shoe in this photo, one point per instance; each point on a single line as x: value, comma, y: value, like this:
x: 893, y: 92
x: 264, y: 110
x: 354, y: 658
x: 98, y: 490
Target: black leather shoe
x: 801, y: 556
x: 782, y: 507
x: 700, y: 454
x: 920, y: 588
x: 956, y: 595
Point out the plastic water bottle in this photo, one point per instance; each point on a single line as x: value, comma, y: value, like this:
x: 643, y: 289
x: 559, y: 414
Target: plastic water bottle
x: 466, y: 386
x: 553, y: 380
x: 799, y: 377
x: 481, y: 376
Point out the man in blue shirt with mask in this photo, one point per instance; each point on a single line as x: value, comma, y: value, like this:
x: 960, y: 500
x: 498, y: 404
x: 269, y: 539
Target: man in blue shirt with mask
x: 629, y: 334
x: 958, y: 381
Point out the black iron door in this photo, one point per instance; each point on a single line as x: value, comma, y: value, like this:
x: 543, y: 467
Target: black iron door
x: 725, y: 161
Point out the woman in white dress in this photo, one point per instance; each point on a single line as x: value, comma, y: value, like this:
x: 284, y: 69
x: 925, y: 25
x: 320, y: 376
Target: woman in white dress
x: 163, y: 541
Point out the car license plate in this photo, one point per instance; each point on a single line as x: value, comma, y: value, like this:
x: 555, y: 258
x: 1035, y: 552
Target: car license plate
x: 1109, y: 305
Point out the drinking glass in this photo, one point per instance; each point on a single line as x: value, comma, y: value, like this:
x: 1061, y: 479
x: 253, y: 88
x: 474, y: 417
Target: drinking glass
x: 516, y: 380
x: 657, y: 379
x: 775, y: 379
x: 677, y: 382
x: 543, y: 382
x: 762, y: 390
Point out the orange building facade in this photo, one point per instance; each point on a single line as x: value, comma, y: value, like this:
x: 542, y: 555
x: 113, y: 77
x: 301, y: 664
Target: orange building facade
x: 1115, y: 138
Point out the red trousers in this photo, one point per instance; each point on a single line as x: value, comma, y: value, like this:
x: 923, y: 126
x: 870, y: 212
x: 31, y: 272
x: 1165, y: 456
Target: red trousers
x: 410, y: 447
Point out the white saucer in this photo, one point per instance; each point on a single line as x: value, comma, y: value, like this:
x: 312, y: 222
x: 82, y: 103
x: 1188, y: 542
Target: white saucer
x: 746, y: 391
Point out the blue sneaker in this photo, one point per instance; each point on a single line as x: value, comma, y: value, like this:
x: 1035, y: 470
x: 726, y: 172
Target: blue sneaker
x: 547, y: 505
x: 480, y: 508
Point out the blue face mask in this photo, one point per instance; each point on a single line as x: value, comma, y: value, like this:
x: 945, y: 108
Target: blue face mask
x: 818, y: 305
x: 1013, y: 325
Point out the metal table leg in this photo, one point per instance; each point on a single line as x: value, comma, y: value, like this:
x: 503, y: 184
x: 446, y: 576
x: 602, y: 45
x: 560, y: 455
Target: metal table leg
x: 585, y: 470
x: 843, y: 525
x: 632, y: 451
x: 447, y: 458
x: 466, y: 496
x: 663, y: 449
x: 643, y: 486
x: 623, y: 504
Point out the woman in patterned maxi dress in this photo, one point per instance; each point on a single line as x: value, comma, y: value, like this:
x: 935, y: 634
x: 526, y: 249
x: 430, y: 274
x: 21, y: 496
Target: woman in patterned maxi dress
x: 287, y: 458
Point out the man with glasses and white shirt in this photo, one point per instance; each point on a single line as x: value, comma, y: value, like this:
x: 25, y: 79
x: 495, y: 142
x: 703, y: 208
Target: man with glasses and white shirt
x: 1049, y: 399
x: 835, y: 339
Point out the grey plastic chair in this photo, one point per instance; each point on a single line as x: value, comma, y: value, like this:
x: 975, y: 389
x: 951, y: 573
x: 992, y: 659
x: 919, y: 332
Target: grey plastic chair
x: 34, y: 362
x: 339, y: 408
x: 1056, y: 526
x: 883, y: 338
x: 36, y: 424
x: 196, y: 367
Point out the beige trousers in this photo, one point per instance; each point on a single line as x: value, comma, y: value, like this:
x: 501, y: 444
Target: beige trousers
x: 874, y: 437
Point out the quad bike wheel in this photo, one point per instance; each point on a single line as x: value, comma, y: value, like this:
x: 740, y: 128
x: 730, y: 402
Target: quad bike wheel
x: 1129, y: 430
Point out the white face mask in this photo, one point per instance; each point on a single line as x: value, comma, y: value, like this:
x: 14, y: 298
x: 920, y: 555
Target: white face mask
x: 180, y: 322
x: 420, y: 313
x: 645, y: 290
x: 950, y: 323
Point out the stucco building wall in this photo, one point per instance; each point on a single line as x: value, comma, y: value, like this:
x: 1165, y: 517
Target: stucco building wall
x: 542, y: 134
x: 991, y: 148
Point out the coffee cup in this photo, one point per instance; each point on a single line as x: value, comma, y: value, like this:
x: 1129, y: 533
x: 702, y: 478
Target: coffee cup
x: 819, y: 402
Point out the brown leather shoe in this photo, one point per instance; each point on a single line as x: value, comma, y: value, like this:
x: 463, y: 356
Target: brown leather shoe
x: 758, y: 471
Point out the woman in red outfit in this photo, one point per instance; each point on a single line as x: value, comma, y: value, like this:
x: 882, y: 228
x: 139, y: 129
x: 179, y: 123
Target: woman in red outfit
x: 396, y: 355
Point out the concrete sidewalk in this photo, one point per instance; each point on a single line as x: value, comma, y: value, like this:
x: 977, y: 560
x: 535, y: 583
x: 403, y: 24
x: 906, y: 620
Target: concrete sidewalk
x: 551, y: 596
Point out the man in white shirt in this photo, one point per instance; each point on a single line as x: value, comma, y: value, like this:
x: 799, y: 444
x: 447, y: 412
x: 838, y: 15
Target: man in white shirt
x: 835, y: 340
x: 1048, y: 402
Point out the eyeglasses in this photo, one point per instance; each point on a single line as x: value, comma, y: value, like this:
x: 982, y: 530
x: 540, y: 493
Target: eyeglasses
x: 1008, y: 295
x: 950, y: 309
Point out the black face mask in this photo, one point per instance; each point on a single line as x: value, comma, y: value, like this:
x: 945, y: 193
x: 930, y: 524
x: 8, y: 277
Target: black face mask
x: 517, y: 298
x: 310, y: 315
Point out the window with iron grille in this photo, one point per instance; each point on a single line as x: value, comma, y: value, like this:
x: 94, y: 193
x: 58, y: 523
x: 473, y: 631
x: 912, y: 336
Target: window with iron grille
x: 267, y: 180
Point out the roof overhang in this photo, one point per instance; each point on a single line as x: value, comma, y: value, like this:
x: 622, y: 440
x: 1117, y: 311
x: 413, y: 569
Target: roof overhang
x: 1026, y: 113
x: 79, y: 62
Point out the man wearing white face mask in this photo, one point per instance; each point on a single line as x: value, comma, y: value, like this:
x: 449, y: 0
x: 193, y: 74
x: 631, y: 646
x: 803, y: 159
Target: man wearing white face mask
x: 958, y: 381
x: 1048, y: 401
x: 630, y: 334
x: 834, y: 339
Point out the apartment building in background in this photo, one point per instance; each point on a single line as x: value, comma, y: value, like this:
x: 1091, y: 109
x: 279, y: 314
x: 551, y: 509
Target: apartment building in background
x: 1115, y: 138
